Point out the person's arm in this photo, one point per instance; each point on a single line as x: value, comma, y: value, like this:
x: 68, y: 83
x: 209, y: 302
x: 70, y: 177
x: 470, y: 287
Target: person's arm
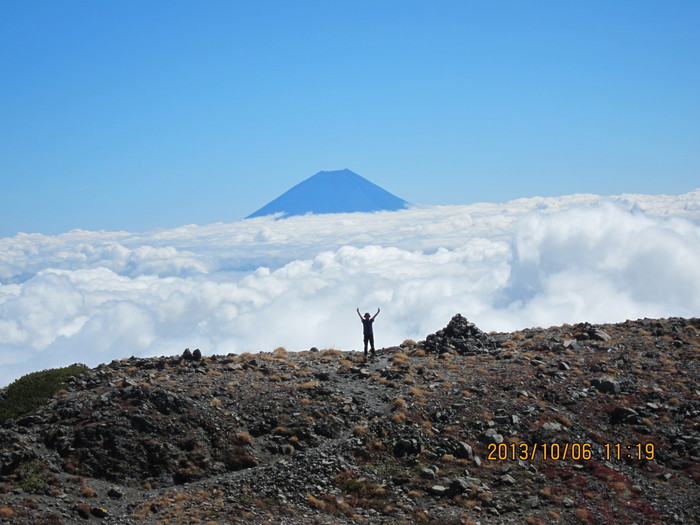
x: 359, y: 314
x: 375, y: 315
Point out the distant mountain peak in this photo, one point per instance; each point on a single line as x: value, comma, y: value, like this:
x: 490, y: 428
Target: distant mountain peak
x: 340, y: 191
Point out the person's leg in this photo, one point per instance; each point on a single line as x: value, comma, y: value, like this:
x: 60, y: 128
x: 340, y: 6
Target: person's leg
x: 366, y: 341
x: 371, y: 341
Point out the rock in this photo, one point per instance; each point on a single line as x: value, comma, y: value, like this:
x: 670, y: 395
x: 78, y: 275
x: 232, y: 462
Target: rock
x: 606, y: 385
x: 600, y: 335
x: 115, y: 493
x: 571, y: 344
x: 532, y: 502
x: 407, y: 447
x: 586, y: 331
x: 197, y: 354
x: 187, y: 355
x: 427, y: 473
x: 625, y: 415
x: 460, y: 486
x: 464, y: 451
x: 438, y: 490
x: 491, y: 436
x: 552, y: 426
x: 508, y: 479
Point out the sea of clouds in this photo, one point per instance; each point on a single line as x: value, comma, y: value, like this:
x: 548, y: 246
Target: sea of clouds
x: 257, y: 284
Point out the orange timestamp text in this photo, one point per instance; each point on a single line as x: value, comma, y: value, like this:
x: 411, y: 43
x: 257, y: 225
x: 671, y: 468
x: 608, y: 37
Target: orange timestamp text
x: 569, y: 451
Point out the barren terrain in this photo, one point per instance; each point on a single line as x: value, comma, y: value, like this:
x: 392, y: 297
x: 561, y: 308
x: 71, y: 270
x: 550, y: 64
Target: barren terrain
x: 453, y: 429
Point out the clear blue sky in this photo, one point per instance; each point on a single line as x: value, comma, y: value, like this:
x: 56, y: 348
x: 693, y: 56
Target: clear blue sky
x: 141, y: 114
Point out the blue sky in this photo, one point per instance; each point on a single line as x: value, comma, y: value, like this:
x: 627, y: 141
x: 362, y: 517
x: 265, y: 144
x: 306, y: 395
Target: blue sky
x: 136, y: 115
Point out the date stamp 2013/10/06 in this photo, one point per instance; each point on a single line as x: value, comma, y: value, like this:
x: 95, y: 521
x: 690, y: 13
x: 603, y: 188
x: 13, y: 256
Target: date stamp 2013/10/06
x: 570, y: 451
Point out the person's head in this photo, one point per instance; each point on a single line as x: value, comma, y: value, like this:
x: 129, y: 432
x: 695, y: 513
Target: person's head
x: 367, y: 315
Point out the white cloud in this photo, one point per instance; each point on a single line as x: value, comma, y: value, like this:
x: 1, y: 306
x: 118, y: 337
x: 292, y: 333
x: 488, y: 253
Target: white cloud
x: 254, y: 285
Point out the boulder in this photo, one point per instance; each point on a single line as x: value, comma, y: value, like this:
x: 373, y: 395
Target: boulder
x: 606, y: 385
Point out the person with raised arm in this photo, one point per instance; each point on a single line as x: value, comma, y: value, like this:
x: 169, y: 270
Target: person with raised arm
x: 367, y: 330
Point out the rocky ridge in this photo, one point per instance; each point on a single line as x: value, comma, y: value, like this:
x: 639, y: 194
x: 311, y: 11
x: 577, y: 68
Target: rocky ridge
x: 452, y: 429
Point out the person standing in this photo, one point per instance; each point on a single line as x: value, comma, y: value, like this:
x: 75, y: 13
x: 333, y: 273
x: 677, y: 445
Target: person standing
x: 367, y: 330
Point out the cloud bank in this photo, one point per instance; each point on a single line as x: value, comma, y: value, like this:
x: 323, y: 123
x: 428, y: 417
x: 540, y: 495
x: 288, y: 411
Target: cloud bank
x: 257, y: 284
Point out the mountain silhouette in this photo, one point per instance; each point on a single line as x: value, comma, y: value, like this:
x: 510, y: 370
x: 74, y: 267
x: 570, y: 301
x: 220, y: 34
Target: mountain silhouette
x: 341, y: 191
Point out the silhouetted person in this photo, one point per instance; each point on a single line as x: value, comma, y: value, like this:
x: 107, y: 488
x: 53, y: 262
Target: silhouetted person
x: 367, y: 330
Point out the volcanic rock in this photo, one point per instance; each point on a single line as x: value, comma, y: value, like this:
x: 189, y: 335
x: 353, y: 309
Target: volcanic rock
x: 448, y: 430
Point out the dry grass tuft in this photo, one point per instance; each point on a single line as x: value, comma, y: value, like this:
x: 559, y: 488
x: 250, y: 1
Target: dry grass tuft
x: 416, y: 391
x: 87, y: 491
x: 280, y: 353
x: 242, y: 438
x: 360, y: 430
x: 315, y: 502
x: 307, y: 386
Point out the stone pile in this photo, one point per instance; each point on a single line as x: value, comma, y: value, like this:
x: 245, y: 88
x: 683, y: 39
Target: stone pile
x: 459, y: 336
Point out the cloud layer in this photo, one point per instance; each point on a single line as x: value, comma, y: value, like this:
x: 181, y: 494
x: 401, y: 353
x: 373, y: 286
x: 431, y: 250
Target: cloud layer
x: 257, y: 284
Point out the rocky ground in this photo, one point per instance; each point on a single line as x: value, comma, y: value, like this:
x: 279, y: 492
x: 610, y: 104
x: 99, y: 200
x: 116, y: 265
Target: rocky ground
x: 453, y: 429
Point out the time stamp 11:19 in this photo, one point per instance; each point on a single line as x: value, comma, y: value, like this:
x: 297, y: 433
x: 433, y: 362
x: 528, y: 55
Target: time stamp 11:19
x: 574, y: 451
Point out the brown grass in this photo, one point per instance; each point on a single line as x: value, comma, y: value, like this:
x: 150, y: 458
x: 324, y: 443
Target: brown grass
x: 399, y: 418
x: 307, y: 386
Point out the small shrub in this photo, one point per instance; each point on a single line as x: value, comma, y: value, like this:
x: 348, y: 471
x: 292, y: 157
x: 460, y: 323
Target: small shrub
x: 242, y: 438
x: 564, y: 421
x: 88, y: 491
x: 315, y: 502
x: 584, y: 515
x: 32, y: 391
x: 399, y: 402
x: 418, y: 392
x: 32, y: 476
x: 399, y: 418
x: 532, y: 520
x: 308, y: 385
x: 360, y: 430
